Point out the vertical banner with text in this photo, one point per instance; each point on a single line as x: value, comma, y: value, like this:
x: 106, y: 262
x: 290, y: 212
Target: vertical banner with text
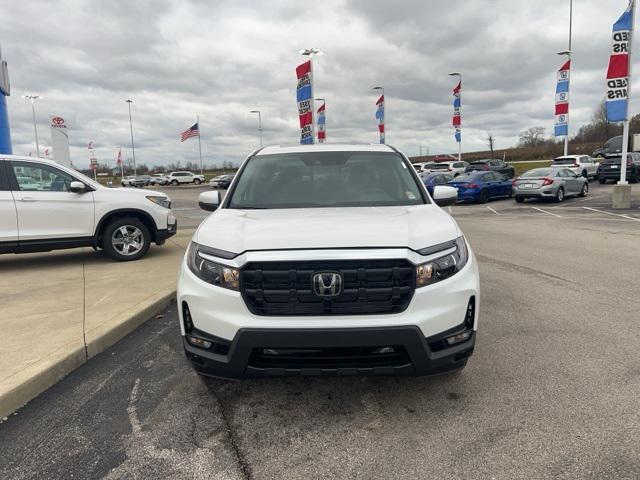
x: 457, y: 118
x: 618, y: 71
x: 322, y: 120
x: 305, y: 101
x: 380, y: 117
x: 562, y: 101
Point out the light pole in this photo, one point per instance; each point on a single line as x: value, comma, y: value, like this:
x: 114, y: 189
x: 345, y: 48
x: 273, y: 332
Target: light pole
x: 259, y: 124
x: 133, y: 148
x: 33, y: 99
x: 381, y: 119
x: 459, y: 107
x: 310, y: 52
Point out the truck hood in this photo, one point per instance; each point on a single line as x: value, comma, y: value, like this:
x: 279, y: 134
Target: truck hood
x: 238, y: 231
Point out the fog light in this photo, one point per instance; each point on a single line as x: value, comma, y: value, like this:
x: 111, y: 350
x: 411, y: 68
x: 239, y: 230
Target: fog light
x: 385, y: 350
x: 199, y: 342
x: 459, y: 337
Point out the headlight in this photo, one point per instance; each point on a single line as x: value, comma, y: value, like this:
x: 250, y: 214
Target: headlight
x: 443, y: 267
x: 212, y: 272
x: 158, y: 200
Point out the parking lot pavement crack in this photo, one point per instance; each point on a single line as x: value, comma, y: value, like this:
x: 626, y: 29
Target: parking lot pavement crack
x: 514, y: 267
x: 242, y: 462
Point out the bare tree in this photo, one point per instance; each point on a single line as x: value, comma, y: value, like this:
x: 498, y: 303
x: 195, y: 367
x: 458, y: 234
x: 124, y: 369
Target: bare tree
x: 532, y: 137
x: 490, y: 141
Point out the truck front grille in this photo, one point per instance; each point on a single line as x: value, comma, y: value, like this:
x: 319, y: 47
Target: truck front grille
x: 368, y: 287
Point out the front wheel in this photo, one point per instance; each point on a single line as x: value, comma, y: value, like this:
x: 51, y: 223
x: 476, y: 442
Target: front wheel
x: 174, y: 183
x: 584, y: 190
x: 197, y: 181
x: 126, y: 239
x: 559, y: 195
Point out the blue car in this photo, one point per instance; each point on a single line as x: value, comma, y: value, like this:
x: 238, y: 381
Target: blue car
x: 482, y: 186
x: 430, y: 180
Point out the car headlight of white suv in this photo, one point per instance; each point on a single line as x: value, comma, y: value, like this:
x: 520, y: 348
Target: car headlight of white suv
x: 443, y: 267
x: 160, y: 200
x: 206, y: 269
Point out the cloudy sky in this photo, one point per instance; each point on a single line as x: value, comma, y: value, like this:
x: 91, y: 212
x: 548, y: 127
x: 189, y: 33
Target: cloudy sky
x: 179, y: 58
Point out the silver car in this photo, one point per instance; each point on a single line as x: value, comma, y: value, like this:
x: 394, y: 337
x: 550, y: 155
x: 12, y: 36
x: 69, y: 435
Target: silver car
x: 555, y: 183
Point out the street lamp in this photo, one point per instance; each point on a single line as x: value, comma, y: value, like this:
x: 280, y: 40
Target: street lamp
x: 311, y: 51
x: 459, y: 75
x: 33, y: 99
x: 133, y: 148
x: 259, y: 124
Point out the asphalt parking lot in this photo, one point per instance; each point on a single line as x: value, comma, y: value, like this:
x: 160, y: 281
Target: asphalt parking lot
x: 551, y: 391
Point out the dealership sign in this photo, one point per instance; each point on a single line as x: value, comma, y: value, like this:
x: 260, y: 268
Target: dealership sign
x: 60, y: 140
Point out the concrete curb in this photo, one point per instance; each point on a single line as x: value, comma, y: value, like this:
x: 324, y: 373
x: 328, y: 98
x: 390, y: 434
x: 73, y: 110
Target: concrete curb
x: 33, y: 386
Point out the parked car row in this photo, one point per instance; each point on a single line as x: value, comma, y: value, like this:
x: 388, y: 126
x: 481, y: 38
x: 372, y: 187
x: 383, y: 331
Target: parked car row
x: 482, y: 186
x: 173, y: 178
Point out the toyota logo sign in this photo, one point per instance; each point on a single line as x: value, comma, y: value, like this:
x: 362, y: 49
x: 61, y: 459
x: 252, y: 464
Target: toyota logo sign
x: 57, y: 120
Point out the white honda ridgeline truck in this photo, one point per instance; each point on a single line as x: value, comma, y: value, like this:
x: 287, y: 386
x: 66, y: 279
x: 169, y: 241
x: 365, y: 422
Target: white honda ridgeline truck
x: 328, y: 259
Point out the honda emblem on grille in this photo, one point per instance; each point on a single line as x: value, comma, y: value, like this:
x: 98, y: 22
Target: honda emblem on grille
x: 327, y: 284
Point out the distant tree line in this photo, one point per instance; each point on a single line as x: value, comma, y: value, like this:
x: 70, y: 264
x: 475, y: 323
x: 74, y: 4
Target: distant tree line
x: 598, y: 130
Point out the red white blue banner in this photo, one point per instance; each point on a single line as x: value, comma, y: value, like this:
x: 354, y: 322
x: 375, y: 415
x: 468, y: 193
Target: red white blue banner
x: 618, y: 72
x: 305, y: 101
x: 321, y: 121
x: 457, y: 118
x: 380, y: 117
x: 562, y: 100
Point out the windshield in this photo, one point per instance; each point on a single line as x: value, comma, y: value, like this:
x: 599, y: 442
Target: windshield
x: 325, y: 179
x: 536, y: 172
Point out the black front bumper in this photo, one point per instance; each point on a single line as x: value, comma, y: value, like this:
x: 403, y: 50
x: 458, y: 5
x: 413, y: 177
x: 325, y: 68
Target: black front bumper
x: 415, y: 355
x: 164, y: 233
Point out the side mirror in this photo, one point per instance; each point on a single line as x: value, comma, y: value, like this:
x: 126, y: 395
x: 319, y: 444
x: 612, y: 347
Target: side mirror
x: 77, y: 187
x: 209, y: 201
x: 444, y: 196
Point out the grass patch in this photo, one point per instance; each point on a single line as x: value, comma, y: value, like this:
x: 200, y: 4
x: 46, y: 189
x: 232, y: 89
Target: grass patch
x: 522, y: 167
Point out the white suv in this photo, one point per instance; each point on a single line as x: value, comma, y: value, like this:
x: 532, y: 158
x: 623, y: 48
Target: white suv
x: 176, y: 178
x: 45, y: 206
x: 582, y: 165
x: 328, y: 259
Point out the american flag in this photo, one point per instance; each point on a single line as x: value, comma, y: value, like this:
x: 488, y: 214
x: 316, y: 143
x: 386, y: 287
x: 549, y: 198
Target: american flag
x: 192, y: 131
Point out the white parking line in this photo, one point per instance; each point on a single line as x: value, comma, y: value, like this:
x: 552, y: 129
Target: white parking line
x: 548, y: 213
x: 614, y: 214
x: 492, y: 210
x: 450, y: 211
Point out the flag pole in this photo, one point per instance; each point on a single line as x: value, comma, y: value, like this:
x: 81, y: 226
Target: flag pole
x: 199, y: 144
x: 566, y: 138
x: 625, y: 123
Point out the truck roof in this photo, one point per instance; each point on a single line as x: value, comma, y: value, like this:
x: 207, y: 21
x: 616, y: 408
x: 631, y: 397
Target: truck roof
x: 323, y: 147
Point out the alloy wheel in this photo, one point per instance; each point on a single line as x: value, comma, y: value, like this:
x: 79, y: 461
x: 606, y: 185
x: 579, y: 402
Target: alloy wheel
x: 127, y: 240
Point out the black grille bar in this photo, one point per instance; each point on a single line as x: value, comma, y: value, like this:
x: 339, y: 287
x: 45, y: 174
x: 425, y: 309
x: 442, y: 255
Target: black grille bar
x: 369, y: 287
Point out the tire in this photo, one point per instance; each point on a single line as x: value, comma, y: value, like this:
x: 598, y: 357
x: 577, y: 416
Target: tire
x: 559, y: 195
x: 484, y: 196
x: 584, y: 190
x: 519, y: 199
x: 134, y: 246
x: 197, y: 181
x: 602, y: 181
x: 174, y: 183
